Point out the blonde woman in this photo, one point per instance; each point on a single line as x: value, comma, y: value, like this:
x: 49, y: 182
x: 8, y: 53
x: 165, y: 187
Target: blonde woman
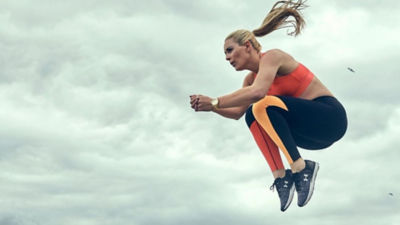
x: 286, y: 106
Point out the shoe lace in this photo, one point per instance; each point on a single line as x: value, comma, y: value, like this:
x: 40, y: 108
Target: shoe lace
x: 273, y: 185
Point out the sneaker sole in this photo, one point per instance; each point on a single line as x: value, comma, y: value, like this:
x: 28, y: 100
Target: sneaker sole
x: 310, y: 193
x: 291, y: 194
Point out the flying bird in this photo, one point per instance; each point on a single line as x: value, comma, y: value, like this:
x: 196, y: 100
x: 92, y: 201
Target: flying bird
x: 351, y: 70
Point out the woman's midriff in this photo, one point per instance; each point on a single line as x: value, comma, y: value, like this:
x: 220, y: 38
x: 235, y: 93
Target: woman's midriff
x: 315, y: 89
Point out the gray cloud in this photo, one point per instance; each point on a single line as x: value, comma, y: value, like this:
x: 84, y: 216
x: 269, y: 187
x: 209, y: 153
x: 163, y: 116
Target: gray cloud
x: 96, y: 126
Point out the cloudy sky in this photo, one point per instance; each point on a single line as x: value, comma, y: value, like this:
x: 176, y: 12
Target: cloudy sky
x: 96, y: 127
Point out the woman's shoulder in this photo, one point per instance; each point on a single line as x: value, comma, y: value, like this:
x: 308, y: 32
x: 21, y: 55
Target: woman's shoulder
x: 276, y: 52
x: 282, y: 59
x: 276, y: 57
x: 249, y: 79
x: 250, y: 75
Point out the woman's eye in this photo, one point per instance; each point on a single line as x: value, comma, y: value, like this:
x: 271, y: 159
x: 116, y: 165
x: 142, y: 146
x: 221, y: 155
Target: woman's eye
x: 229, y: 50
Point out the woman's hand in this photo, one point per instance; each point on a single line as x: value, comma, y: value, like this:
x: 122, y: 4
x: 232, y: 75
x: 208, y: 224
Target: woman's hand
x: 201, y: 103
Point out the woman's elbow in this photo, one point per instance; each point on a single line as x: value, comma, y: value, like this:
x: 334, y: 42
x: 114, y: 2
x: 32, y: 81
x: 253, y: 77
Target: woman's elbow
x: 258, y: 94
x: 240, y: 113
x: 237, y: 117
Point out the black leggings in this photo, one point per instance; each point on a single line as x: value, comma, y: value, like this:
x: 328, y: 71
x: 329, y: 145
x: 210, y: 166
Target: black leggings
x: 291, y: 122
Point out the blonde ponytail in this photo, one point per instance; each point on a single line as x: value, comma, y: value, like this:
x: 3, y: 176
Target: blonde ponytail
x: 277, y: 18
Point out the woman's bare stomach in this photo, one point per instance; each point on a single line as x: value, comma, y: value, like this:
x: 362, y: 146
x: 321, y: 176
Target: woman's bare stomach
x: 315, y: 89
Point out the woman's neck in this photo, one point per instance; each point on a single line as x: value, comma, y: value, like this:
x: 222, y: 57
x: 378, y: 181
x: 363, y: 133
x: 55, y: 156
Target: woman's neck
x: 254, y: 62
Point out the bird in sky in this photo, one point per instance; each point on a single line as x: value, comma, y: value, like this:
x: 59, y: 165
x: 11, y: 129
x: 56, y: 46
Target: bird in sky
x: 351, y: 70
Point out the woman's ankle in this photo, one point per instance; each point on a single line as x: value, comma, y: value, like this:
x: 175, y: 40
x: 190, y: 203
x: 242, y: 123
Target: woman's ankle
x: 298, y: 165
x: 278, y: 173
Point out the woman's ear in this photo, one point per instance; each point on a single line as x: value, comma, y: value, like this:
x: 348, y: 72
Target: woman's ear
x: 248, y: 45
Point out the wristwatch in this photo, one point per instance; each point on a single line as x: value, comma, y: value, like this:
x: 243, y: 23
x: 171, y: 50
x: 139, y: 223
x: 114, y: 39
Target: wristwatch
x: 214, y: 103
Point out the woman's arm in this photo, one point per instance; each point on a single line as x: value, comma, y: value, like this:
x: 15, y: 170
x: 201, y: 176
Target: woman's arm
x: 236, y: 112
x: 231, y: 113
x: 269, y: 65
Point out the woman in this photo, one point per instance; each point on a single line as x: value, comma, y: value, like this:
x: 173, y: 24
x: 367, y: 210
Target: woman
x: 286, y: 105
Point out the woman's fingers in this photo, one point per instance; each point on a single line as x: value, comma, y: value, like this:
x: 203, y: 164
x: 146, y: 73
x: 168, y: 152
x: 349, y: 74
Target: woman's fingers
x: 194, y: 100
x: 199, y: 102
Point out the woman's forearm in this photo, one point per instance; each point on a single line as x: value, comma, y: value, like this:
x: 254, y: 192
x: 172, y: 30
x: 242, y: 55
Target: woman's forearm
x: 232, y: 113
x: 243, y: 96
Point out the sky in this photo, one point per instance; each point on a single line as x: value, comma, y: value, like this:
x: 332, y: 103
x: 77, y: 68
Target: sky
x: 96, y: 126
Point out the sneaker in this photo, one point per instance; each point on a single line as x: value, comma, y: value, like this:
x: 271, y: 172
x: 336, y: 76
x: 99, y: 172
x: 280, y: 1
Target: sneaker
x: 304, y: 182
x: 285, y: 188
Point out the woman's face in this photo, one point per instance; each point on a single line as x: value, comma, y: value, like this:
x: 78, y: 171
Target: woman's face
x: 235, y: 54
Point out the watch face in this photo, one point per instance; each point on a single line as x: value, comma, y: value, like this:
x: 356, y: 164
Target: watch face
x: 214, y: 102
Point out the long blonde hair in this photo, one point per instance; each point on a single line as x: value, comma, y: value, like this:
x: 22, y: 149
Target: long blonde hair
x: 275, y: 19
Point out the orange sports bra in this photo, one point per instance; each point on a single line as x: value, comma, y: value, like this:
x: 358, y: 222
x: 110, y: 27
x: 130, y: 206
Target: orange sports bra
x: 292, y: 84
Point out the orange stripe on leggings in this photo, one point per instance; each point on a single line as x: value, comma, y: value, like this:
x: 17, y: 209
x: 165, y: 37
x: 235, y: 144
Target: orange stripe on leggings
x: 260, y: 114
x: 267, y: 146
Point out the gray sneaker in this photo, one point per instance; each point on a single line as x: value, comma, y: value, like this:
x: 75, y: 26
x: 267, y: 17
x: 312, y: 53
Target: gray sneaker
x: 305, y: 181
x: 285, y: 188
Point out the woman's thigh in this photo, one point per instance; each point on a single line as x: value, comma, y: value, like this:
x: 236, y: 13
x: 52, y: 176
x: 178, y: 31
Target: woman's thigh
x: 320, y: 122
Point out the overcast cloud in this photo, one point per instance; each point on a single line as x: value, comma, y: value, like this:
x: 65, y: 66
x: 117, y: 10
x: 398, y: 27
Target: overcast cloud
x: 96, y: 127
